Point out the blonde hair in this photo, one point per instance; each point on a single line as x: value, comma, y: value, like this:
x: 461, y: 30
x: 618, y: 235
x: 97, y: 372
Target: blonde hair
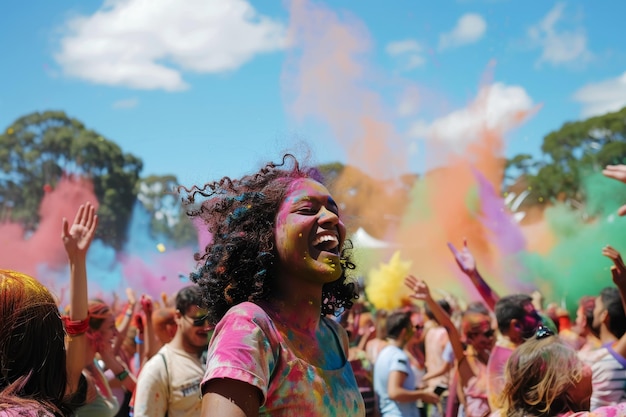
x: 538, y: 376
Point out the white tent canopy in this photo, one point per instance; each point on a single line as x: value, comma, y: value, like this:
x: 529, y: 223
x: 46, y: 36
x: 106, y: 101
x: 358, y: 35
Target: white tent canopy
x: 361, y: 239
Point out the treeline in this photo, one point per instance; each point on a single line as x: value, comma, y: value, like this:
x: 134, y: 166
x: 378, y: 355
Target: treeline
x: 37, y: 149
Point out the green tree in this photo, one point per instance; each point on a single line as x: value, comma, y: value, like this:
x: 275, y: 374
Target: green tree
x: 160, y: 198
x: 38, y: 148
x: 569, y: 154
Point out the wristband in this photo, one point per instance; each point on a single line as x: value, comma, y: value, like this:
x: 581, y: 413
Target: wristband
x: 138, y: 341
x: 122, y: 375
x: 129, y: 313
x: 75, y: 327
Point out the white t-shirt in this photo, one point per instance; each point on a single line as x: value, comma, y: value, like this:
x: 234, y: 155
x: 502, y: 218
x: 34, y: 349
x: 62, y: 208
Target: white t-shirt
x: 173, y: 389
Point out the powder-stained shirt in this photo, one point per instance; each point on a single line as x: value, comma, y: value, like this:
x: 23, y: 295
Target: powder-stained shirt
x: 248, y: 347
x: 169, y: 383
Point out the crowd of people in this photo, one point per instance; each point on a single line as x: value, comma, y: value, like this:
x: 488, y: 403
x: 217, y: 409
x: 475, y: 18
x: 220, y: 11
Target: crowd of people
x: 275, y: 324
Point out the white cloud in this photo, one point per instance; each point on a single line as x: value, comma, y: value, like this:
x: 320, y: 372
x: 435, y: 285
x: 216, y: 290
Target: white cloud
x: 602, y: 97
x: 409, y: 53
x: 559, y: 46
x: 146, y: 44
x: 128, y: 103
x: 497, y: 107
x: 470, y: 28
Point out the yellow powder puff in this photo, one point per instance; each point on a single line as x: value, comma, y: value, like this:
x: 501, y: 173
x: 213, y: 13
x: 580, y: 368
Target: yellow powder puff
x: 385, y: 286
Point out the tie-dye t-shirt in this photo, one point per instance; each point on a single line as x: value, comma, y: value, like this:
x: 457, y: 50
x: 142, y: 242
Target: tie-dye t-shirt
x: 247, y: 346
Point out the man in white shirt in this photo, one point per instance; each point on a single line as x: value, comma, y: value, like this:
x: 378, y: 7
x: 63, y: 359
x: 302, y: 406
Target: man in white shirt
x: 169, y: 383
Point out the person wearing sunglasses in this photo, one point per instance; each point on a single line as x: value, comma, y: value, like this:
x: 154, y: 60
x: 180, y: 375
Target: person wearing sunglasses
x: 545, y: 377
x: 169, y: 383
x: 472, y: 360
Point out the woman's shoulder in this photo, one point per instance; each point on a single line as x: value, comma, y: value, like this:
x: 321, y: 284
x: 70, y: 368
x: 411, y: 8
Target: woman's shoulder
x: 246, y: 316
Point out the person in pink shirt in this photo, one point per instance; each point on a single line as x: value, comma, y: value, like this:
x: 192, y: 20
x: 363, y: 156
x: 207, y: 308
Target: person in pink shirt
x: 273, y: 274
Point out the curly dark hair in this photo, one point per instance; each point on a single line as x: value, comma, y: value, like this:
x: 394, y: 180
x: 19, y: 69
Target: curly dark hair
x: 241, y: 261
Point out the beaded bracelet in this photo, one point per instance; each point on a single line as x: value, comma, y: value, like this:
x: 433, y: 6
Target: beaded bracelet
x: 122, y: 375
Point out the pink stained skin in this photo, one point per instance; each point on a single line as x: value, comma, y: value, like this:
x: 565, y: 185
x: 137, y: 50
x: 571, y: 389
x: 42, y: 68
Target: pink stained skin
x: 309, y: 233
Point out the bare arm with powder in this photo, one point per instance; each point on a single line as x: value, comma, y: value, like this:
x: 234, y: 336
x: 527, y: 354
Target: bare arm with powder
x: 230, y: 398
x: 618, y: 271
x: 467, y: 263
x: 420, y: 291
x: 76, y: 240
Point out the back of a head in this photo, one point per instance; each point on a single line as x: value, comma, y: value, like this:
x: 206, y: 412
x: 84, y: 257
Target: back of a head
x: 32, y: 348
x: 444, y: 304
x: 612, y: 302
x: 477, y: 307
x: 396, y: 322
x: 510, y: 307
x: 538, y: 376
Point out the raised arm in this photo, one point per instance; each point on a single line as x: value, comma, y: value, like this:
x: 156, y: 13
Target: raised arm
x: 618, y: 271
x: 465, y: 260
x: 617, y: 172
x: 125, y: 324
x: 77, y: 238
x: 422, y: 292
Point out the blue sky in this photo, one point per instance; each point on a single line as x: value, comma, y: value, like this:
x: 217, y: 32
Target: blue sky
x: 202, y: 89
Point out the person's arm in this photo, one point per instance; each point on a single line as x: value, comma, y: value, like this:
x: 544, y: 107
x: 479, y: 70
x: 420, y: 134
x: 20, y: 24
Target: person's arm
x: 76, y: 240
x: 445, y: 368
x: 422, y: 292
x: 121, y: 373
x: 618, y: 271
x: 150, y: 343
x: 230, y: 398
x: 617, y: 172
x: 126, y: 320
x: 398, y: 393
x: 465, y: 260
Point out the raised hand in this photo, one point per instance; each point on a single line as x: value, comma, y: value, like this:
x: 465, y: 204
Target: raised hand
x: 464, y: 258
x: 130, y: 294
x: 617, y: 172
x: 618, y: 270
x: 78, y: 237
x: 420, y: 290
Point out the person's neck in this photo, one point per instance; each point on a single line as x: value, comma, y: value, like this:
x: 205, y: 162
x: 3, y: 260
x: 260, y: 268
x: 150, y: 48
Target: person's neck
x: 606, y: 336
x: 399, y: 343
x: 178, y: 343
x: 298, y: 308
x: 505, y: 341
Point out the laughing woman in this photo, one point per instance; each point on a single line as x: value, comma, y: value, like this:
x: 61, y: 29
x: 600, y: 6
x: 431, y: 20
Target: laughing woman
x: 275, y: 270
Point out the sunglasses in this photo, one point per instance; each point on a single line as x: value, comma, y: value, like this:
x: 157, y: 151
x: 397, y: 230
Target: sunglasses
x: 543, y: 332
x: 198, y: 321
